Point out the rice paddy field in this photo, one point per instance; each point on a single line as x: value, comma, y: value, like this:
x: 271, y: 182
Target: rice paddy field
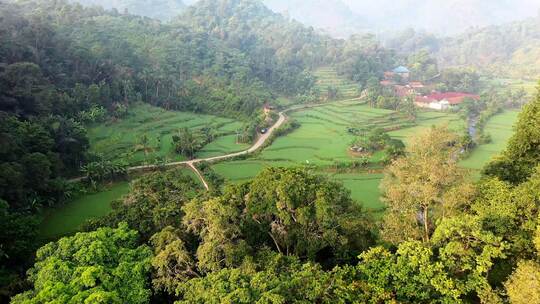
x: 323, y: 139
x: 120, y: 140
x: 499, y: 127
x: 68, y: 218
x: 328, y: 77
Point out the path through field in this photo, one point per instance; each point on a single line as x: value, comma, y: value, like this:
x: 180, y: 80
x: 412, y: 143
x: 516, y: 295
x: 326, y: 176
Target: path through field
x: 261, y: 140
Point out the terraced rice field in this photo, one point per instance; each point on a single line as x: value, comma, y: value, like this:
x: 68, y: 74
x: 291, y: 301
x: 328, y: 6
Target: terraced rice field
x: 323, y: 139
x: 499, y: 127
x: 121, y: 140
x: 328, y: 77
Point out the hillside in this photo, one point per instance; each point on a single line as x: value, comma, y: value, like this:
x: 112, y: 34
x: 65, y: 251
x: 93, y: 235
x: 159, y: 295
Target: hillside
x: 344, y: 17
x: 159, y: 9
x: 333, y: 16
x: 511, y: 50
x: 440, y: 16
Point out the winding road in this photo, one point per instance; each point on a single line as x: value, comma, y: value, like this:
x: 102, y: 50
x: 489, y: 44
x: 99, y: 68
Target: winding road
x: 191, y: 163
x: 261, y: 140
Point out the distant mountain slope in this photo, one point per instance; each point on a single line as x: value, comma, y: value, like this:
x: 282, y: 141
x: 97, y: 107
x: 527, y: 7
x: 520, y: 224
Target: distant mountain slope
x: 159, y: 9
x: 508, y: 50
x: 441, y: 16
x: 333, y: 16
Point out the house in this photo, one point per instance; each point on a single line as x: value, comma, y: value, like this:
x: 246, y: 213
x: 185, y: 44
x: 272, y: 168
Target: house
x: 416, y: 85
x: 443, y: 101
x: 402, y: 71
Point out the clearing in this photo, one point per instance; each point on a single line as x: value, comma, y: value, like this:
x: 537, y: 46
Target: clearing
x: 120, y: 140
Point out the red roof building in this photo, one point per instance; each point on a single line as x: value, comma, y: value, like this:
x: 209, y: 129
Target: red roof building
x: 443, y: 101
x: 453, y: 98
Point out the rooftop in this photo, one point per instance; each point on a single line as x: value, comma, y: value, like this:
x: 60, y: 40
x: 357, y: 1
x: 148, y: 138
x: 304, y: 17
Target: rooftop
x: 401, y: 69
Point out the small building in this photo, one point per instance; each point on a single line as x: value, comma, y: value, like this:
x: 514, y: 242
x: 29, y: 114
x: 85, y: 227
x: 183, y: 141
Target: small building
x: 416, y: 85
x: 402, y: 71
x: 443, y: 101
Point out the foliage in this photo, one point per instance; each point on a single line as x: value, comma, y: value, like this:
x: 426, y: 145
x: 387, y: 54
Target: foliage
x: 289, y: 210
x: 460, y: 80
x: 103, y: 266
x: 172, y: 262
x: 522, y: 154
x: 154, y: 202
x: 423, y: 66
x: 422, y: 186
x: 509, y: 49
x: 100, y: 171
x: 524, y: 284
x: 271, y: 278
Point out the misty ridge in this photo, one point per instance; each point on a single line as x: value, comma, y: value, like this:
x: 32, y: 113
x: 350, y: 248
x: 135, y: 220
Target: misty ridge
x: 342, y: 18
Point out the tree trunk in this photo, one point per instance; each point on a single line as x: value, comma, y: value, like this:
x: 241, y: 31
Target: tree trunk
x: 426, y: 224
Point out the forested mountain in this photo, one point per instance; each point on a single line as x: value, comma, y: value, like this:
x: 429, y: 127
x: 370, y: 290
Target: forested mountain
x: 511, y: 50
x: 334, y: 16
x: 267, y: 37
x: 158, y: 9
x: 443, y: 17
x: 64, y: 66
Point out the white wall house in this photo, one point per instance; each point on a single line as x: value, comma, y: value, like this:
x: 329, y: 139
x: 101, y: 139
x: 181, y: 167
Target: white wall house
x: 440, y: 105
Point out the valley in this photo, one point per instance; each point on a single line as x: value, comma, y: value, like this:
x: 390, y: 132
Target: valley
x: 269, y: 151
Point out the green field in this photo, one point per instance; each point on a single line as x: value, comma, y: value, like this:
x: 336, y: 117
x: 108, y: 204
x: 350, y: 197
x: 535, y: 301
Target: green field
x: 323, y: 140
x: 513, y: 84
x: 119, y: 140
x: 328, y: 77
x: 68, y: 218
x: 499, y: 127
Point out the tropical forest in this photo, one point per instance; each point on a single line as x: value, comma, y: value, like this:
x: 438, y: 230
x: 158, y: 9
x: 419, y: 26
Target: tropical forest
x: 269, y: 151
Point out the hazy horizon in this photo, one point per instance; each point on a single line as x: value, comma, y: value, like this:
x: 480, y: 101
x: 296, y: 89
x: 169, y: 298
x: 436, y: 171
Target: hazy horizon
x: 342, y: 18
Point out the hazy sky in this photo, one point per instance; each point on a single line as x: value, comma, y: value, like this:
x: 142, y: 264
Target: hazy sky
x: 440, y: 16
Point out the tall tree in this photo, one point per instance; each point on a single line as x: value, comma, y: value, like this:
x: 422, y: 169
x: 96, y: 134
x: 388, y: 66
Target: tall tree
x: 423, y: 186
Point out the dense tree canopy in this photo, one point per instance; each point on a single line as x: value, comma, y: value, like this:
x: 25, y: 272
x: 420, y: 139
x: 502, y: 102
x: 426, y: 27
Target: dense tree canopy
x: 103, y: 266
x: 423, y: 186
x: 522, y: 154
x: 289, y: 210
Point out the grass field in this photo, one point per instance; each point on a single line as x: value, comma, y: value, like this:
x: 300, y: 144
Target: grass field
x: 323, y: 139
x: 67, y: 219
x: 120, y: 140
x: 500, y: 129
x: 328, y: 77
